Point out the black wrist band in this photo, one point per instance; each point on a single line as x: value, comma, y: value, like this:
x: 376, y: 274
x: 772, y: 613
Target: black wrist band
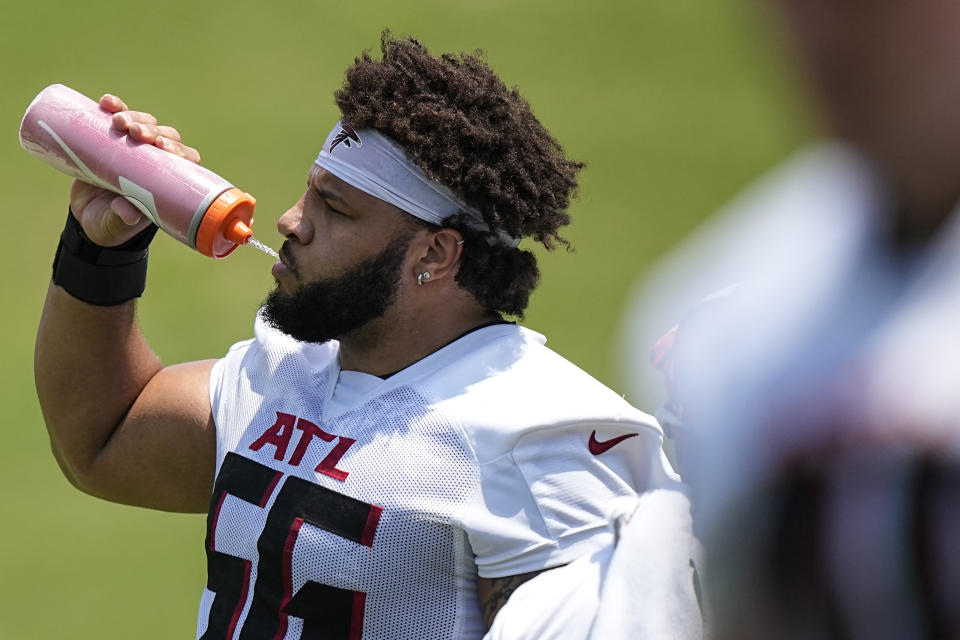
x: 101, y: 275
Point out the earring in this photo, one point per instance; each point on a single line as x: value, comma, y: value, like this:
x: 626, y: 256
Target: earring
x: 421, y: 277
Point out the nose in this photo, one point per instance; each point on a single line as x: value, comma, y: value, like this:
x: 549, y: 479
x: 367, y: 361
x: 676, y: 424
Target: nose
x: 293, y: 225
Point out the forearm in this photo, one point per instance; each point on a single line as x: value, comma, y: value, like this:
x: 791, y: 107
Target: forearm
x: 90, y: 364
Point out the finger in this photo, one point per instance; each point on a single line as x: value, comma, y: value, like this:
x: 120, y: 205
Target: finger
x: 143, y: 132
x: 112, y: 103
x: 123, y: 119
x: 114, y: 230
x: 178, y: 148
x: 141, y: 116
x: 169, y: 132
x: 126, y: 211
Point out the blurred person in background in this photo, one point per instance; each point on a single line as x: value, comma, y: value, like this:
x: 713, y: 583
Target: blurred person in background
x: 388, y: 457
x: 821, y: 399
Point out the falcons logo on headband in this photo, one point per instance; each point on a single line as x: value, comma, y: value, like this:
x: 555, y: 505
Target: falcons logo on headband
x: 345, y: 136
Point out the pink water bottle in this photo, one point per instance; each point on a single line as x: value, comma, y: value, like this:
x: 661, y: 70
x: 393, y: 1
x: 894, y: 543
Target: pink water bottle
x: 72, y: 133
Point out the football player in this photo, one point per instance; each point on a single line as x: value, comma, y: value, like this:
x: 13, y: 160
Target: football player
x: 820, y: 402
x: 388, y: 456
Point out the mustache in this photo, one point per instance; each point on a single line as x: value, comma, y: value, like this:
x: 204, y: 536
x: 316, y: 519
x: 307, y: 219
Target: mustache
x: 287, y: 257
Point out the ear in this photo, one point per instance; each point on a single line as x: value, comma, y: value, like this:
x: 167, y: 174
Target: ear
x: 438, y: 254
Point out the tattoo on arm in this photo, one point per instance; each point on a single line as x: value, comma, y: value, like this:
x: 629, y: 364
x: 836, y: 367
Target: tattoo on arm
x: 494, y: 592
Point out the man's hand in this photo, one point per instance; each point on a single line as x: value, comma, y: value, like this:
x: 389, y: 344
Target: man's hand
x: 109, y: 219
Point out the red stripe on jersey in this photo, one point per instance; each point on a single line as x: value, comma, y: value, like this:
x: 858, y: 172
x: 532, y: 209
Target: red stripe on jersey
x: 287, y: 576
x: 269, y: 491
x: 356, y: 620
x: 216, y: 518
x: 370, y: 528
x: 242, y: 600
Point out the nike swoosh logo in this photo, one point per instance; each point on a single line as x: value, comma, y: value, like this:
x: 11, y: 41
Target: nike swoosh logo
x: 596, y: 447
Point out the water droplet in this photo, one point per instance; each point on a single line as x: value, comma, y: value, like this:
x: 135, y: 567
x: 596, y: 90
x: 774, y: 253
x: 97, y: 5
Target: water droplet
x: 259, y: 245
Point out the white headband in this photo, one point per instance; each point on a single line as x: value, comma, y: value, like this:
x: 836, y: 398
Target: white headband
x: 376, y: 165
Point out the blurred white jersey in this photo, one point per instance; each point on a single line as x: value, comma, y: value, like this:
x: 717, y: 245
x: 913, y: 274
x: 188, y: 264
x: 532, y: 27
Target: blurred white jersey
x: 831, y: 331
x: 819, y: 398
x: 349, y: 506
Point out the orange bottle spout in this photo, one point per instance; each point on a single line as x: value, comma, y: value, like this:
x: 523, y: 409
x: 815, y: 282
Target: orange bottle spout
x: 226, y: 223
x: 238, y: 232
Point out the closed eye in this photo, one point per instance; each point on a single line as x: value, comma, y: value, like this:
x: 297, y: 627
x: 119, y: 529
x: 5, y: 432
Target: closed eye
x: 330, y: 205
x: 330, y: 200
x: 333, y: 201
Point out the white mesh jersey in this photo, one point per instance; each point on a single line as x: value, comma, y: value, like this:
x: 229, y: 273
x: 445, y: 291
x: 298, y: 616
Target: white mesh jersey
x: 346, y: 506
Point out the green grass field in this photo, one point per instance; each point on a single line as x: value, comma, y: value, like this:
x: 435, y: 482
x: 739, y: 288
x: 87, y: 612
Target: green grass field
x: 674, y: 105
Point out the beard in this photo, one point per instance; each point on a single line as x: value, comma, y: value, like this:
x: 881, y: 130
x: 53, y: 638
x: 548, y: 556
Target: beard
x: 329, y: 308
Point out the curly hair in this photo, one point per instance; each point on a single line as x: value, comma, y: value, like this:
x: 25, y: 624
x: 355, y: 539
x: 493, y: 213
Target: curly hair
x: 459, y: 123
